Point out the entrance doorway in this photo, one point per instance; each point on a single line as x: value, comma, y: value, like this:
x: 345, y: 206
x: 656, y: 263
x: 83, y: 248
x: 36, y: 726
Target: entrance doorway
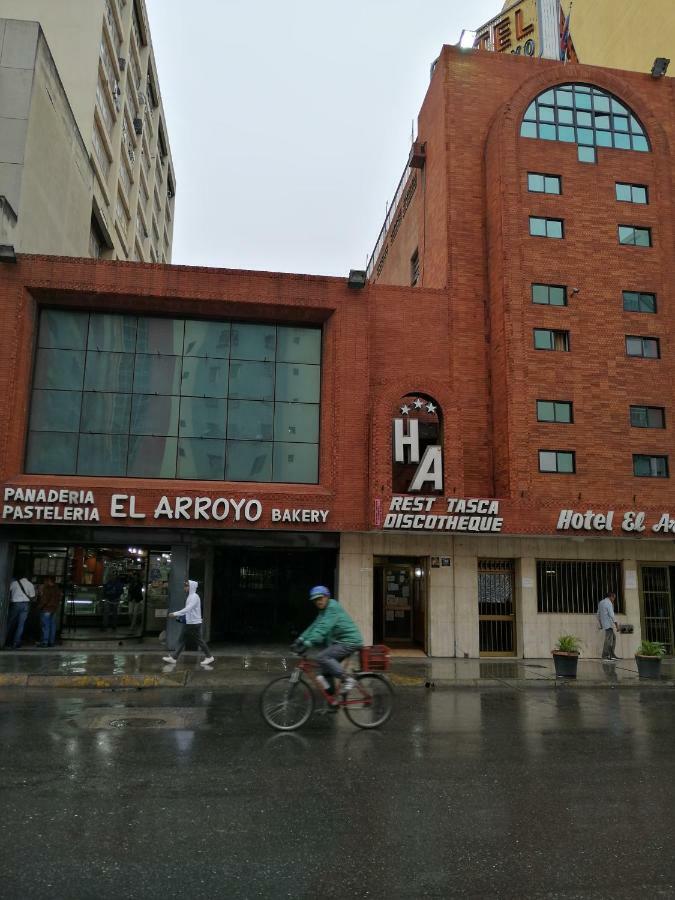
x: 496, y: 608
x: 400, y: 602
x: 656, y: 604
x: 260, y: 594
x: 108, y: 592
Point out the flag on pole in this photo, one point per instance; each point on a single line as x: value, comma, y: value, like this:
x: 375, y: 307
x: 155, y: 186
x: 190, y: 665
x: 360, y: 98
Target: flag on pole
x: 565, y: 37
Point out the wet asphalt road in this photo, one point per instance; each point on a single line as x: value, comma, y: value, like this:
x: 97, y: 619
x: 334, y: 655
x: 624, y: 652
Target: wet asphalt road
x: 465, y: 793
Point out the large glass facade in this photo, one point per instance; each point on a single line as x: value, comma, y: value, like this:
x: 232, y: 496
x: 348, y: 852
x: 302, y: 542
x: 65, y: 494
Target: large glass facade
x: 147, y: 397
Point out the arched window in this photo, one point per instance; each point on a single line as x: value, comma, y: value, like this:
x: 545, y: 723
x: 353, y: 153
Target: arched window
x: 419, y: 427
x: 585, y: 115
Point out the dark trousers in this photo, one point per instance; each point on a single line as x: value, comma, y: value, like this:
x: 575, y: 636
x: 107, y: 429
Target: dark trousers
x: 18, y: 613
x: 191, y: 633
x: 329, y: 659
x: 610, y: 643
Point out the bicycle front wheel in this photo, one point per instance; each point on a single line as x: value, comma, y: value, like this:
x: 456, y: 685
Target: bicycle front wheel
x: 370, y: 702
x: 286, y: 704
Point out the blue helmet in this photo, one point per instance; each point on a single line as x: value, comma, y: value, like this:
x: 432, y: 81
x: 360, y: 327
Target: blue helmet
x: 319, y: 591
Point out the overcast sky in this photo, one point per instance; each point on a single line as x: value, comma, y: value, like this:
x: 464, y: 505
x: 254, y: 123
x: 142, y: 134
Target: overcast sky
x: 290, y: 121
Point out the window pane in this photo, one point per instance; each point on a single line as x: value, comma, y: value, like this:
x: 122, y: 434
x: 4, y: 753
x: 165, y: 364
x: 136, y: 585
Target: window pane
x: 55, y: 411
x: 528, y: 129
x: 582, y: 100
x: 152, y: 457
x: 586, y: 154
x: 552, y: 184
x: 202, y: 418
x: 540, y: 293
x: 102, y: 454
x: 546, y: 114
x: 298, y: 384
x: 565, y: 117
x: 296, y: 463
x: 204, y: 377
x: 647, y: 303
x: 535, y: 182
x: 641, y: 465
x: 113, y: 333
x: 157, y: 374
x: 251, y: 380
x: 51, y: 453
x: 547, y: 461
x: 643, y: 237
x: 545, y: 411
x: 585, y: 136
x: 59, y: 370
x: 631, y: 300
x: 623, y: 192
x: 566, y: 133
x: 564, y: 98
x: 253, y: 342
x: 531, y: 111
x: 547, y: 132
x: 620, y: 123
x: 639, y: 194
x: 106, y: 413
x: 557, y: 296
x: 621, y: 141
x: 249, y: 461
x: 207, y: 339
x: 63, y: 329
x: 650, y: 348
x: 565, y: 462
x: 537, y: 227
x: 299, y: 345
x: 654, y: 417
x: 563, y: 412
x: 584, y: 120
x: 554, y: 228
x: 640, y: 143
x: 543, y: 339
x: 160, y: 336
x: 201, y: 459
x: 109, y: 372
x: 154, y: 415
x: 626, y: 234
x: 603, y: 138
x: 634, y: 346
x: 638, y: 417
x: 250, y: 420
x: 296, y: 422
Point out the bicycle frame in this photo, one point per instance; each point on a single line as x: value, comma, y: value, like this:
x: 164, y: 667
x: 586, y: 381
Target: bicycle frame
x: 310, y: 668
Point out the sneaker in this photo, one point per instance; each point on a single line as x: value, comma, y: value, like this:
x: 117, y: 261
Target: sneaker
x: 207, y: 661
x: 348, y: 684
x: 169, y: 659
x: 615, y: 657
x: 323, y: 682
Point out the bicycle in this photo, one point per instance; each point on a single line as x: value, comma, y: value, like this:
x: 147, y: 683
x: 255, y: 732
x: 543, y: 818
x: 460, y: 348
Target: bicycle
x: 288, y: 702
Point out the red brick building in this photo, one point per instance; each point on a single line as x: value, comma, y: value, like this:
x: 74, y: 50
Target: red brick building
x: 472, y: 450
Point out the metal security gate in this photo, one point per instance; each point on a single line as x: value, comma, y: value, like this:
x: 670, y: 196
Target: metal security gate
x: 496, y: 609
x: 657, y: 607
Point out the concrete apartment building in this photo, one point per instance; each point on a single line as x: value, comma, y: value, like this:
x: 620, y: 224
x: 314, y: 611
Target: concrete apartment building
x: 80, y: 108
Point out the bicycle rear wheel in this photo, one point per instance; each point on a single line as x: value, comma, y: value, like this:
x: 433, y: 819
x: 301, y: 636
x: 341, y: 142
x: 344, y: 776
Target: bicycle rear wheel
x: 286, y: 704
x: 370, y: 702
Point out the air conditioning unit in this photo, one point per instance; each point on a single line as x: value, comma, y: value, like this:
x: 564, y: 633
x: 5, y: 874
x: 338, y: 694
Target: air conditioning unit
x: 138, y: 126
x: 123, y: 63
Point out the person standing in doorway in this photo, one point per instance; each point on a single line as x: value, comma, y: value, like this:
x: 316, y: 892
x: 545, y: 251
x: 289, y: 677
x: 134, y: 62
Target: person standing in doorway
x: 192, y: 627
x: 135, y: 599
x: 607, y: 621
x: 49, y: 600
x: 21, y: 592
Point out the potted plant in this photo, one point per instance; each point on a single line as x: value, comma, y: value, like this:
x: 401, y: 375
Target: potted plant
x: 648, y: 658
x: 566, y: 656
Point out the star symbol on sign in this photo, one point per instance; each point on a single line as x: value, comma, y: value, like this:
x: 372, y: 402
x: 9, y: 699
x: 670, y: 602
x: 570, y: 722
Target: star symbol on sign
x: 431, y: 408
x: 405, y: 409
x: 418, y: 403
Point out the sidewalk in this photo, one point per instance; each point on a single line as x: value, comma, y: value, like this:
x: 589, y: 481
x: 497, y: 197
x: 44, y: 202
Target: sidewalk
x: 234, y: 667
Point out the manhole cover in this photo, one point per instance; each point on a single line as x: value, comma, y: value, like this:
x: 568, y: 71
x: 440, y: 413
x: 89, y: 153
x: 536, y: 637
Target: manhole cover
x: 137, y: 722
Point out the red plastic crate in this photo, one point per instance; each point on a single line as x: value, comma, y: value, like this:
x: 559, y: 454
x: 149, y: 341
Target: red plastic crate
x: 375, y: 658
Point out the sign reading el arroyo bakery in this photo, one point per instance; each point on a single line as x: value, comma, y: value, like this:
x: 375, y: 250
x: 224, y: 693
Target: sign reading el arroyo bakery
x: 62, y: 505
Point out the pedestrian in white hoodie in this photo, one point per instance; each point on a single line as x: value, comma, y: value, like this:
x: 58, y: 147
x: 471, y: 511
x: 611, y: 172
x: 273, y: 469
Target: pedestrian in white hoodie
x: 192, y: 627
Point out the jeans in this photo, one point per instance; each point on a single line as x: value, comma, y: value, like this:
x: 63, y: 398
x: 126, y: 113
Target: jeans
x: 194, y: 632
x: 610, y: 644
x: 48, y: 623
x: 18, y: 613
x: 330, y: 658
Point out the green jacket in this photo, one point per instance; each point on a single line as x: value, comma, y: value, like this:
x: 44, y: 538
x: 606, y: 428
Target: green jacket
x: 332, y: 626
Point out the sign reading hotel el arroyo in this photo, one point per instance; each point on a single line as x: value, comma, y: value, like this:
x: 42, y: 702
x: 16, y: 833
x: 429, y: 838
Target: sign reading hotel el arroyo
x: 527, y: 28
x: 35, y: 504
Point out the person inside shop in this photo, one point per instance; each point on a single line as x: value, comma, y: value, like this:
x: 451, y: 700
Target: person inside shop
x: 191, y: 617
x: 49, y: 601
x: 135, y: 600
x: 340, y: 634
x: 21, y: 592
x: 112, y: 593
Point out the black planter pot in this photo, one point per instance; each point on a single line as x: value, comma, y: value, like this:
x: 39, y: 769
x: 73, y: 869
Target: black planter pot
x: 648, y: 666
x: 565, y: 664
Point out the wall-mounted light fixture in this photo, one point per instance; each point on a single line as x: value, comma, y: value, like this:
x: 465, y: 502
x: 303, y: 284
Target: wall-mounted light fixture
x: 660, y: 67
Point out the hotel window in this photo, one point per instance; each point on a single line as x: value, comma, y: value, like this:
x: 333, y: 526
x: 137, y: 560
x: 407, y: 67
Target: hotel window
x: 646, y: 347
x: 631, y: 193
x: 549, y: 339
x: 574, y: 586
x: 414, y: 268
x: 585, y: 115
x: 554, y: 411
x: 147, y: 397
x: 636, y: 301
x: 544, y: 184
x: 650, y: 466
x: 550, y: 228
x: 100, y: 150
x: 647, y: 417
x: 549, y: 294
x: 587, y: 154
x: 561, y: 462
x: 635, y: 236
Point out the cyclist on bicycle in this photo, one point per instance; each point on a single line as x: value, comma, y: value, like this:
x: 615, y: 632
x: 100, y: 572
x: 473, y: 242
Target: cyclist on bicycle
x: 334, y: 628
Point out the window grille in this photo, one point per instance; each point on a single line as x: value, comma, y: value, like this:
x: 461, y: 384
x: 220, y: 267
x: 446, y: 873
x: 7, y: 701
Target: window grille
x: 577, y: 586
